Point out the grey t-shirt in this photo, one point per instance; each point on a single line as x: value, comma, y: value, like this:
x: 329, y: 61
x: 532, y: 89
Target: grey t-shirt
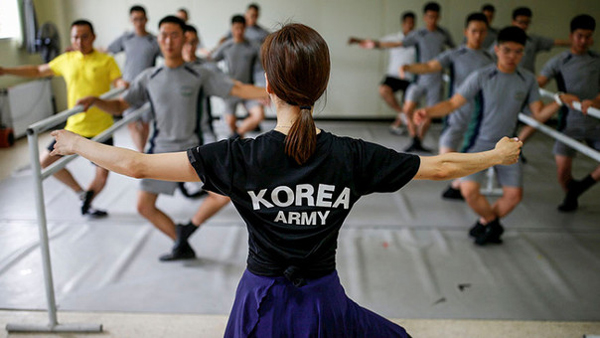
x: 461, y: 62
x: 140, y: 53
x: 242, y: 59
x: 429, y: 44
x: 578, y: 75
x: 253, y: 33
x: 534, y: 45
x: 176, y: 96
x: 500, y: 97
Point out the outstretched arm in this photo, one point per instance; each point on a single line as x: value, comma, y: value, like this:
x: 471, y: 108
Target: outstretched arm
x: 114, y: 107
x: 421, y: 68
x: 248, y: 91
x: 166, y: 166
x: 453, y: 165
x: 441, y: 109
x: 28, y: 71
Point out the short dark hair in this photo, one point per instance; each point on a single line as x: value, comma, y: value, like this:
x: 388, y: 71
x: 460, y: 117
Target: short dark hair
x: 238, y: 19
x: 82, y: 22
x: 407, y: 15
x: 254, y: 6
x: 172, y: 19
x: 183, y: 9
x: 431, y: 6
x: 190, y: 28
x: 137, y: 8
x: 488, y: 7
x: 512, y: 34
x: 583, y: 21
x: 521, y: 11
x: 476, y: 17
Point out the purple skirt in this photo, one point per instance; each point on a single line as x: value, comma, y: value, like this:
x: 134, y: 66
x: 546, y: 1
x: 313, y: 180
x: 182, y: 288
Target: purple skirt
x: 274, y: 307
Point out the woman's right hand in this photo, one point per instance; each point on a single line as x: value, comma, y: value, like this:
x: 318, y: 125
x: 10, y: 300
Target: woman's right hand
x: 508, y: 150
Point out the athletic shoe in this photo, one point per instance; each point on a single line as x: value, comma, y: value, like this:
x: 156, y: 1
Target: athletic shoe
x: 398, y: 130
x: 235, y: 135
x: 96, y: 213
x: 491, y: 233
x: 452, y: 194
x: 477, y: 230
x: 86, y: 203
x: 416, y: 146
x: 179, y: 252
x: 570, y: 202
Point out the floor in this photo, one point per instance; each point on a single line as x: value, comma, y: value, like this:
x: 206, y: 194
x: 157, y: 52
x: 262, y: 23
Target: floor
x: 405, y: 255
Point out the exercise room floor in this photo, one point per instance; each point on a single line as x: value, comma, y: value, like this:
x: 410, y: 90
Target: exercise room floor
x: 404, y: 255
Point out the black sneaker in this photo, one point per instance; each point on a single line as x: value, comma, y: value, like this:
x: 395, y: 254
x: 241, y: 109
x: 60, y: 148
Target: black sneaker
x: 235, y: 135
x: 184, y: 231
x: 570, y: 202
x: 95, y: 213
x: 491, y: 233
x: 180, y: 252
x: 452, y: 194
x: 477, y: 230
x: 416, y: 146
x: 86, y: 203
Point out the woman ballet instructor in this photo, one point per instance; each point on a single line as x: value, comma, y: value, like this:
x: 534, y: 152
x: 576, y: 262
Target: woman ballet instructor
x: 293, y: 186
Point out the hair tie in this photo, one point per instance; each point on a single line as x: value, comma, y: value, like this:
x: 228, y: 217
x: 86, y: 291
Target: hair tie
x: 305, y: 107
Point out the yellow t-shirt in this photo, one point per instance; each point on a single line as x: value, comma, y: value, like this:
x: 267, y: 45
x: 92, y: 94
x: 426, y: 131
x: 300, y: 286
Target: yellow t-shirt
x: 85, y: 75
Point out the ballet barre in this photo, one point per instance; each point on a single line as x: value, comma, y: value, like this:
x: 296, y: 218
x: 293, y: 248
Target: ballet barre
x: 38, y: 176
x: 594, y: 112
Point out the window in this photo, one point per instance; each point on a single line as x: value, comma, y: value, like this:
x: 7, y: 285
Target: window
x: 10, y: 24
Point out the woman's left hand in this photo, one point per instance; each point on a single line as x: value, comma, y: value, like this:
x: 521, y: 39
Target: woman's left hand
x: 65, y: 142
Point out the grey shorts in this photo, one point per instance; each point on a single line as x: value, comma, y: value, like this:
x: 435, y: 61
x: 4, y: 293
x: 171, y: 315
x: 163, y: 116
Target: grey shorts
x: 452, y: 137
x: 507, y: 175
x: 232, y: 103
x: 591, y: 136
x: 433, y: 93
x: 158, y: 187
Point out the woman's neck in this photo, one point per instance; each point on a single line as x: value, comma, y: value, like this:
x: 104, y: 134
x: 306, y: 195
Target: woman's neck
x: 286, y: 115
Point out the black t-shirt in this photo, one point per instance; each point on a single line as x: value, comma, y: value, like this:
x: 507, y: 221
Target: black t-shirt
x: 294, y: 212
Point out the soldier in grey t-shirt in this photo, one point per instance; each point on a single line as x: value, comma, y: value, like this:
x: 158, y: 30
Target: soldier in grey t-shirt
x: 577, y: 74
x: 141, y: 50
x: 461, y: 62
x: 501, y: 91
x: 242, y: 58
x: 175, y: 92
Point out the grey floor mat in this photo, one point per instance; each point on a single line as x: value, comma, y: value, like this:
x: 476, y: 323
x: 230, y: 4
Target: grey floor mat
x: 404, y: 255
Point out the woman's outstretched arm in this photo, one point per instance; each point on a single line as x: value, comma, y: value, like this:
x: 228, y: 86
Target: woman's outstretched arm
x: 453, y: 165
x: 167, y: 166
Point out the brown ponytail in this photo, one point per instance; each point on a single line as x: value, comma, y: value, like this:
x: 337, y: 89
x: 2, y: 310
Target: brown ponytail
x: 301, y: 141
x: 296, y: 61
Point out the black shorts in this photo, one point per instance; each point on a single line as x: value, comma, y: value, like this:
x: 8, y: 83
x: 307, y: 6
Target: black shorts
x: 395, y: 83
x: 107, y: 142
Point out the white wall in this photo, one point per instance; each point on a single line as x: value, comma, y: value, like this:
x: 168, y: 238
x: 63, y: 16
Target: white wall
x: 356, y: 73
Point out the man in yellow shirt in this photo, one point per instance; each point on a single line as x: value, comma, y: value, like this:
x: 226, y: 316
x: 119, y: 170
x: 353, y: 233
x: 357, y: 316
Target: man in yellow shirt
x: 86, y: 72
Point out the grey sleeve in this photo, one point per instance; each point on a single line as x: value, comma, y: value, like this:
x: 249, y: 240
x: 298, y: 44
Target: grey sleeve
x: 470, y: 87
x: 410, y: 39
x: 445, y: 58
x: 544, y: 44
x: 258, y: 71
x: 219, y: 54
x: 215, y: 83
x: 534, y: 92
x: 116, y: 46
x: 449, y: 40
x: 550, y: 69
x: 136, y: 93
